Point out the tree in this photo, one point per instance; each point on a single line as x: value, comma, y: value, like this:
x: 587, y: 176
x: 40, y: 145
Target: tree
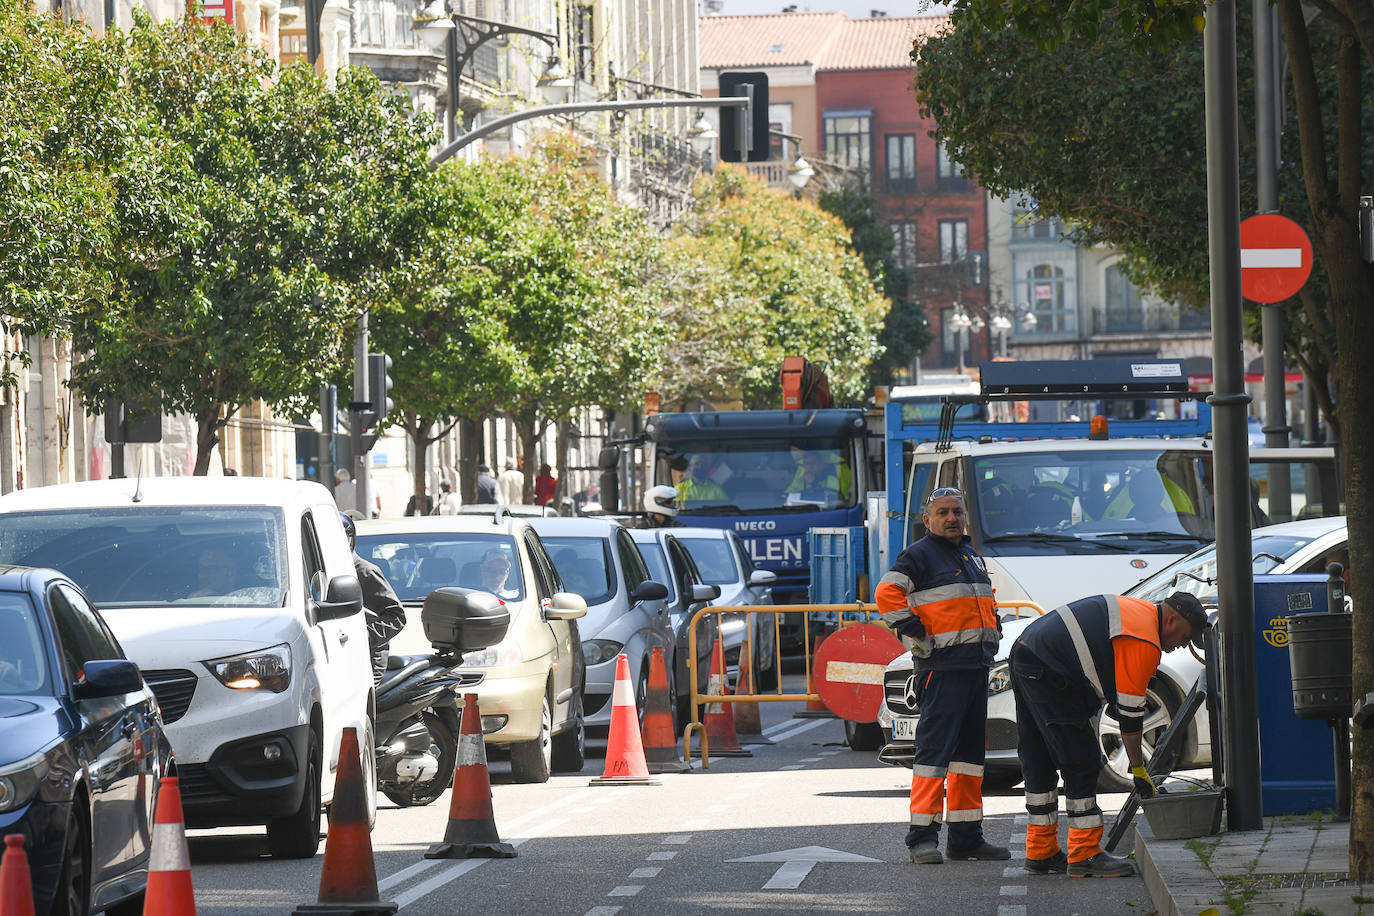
x: 758, y: 276
x: 277, y: 208
x: 1331, y: 111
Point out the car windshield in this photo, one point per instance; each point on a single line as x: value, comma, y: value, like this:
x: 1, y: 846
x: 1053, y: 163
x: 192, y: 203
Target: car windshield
x: 584, y: 565
x: 1197, y: 573
x: 731, y: 476
x: 417, y: 564
x: 157, y: 556
x: 23, y: 663
x: 1104, y: 500
x: 714, y: 559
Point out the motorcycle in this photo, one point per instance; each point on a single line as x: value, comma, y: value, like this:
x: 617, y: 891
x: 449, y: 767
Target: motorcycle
x: 417, y: 700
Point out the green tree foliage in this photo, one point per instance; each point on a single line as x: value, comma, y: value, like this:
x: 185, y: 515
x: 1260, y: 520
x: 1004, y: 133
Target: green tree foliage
x: 279, y: 207
x: 754, y: 276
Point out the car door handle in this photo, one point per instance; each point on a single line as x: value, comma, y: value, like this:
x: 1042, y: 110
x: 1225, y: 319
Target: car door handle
x: 343, y: 638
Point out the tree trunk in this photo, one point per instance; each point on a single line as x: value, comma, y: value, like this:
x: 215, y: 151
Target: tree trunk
x: 564, y: 487
x: 528, y: 434
x: 418, y: 428
x: 469, y: 451
x: 208, y: 425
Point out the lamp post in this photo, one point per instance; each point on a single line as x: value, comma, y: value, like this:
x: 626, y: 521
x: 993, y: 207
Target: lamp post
x: 440, y: 28
x: 1001, y: 326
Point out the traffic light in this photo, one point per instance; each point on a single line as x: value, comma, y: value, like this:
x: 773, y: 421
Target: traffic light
x: 379, y: 386
x: 744, y: 131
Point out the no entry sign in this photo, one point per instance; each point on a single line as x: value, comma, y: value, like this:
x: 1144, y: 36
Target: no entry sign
x: 1275, y: 258
x: 849, y: 670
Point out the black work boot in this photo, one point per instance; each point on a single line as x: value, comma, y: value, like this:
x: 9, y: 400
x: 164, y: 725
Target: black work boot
x: 984, y: 852
x: 927, y: 853
x: 1102, y: 866
x: 1056, y: 864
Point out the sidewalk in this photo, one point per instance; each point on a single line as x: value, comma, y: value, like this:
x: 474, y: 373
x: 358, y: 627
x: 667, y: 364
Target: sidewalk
x: 1295, y: 866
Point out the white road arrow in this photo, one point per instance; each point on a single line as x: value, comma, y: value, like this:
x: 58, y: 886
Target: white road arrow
x: 797, y: 864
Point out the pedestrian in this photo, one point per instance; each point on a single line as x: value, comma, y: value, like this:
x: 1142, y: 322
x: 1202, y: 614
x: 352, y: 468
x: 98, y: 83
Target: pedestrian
x: 938, y: 595
x: 487, y: 491
x: 448, y: 500
x: 544, y: 486
x: 345, y: 494
x: 1064, y: 667
x: 422, y: 505
x: 512, y: 482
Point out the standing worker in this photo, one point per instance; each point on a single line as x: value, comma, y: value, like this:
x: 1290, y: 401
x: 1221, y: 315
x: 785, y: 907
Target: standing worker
x: 1064, y: 666
x: 938, y: 595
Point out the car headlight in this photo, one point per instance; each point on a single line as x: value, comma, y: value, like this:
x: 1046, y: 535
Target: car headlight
x: 265, y: 669
x: 999, y: 679
x: 601, y: 650
x: 504, y: 653
x: 19, y: 781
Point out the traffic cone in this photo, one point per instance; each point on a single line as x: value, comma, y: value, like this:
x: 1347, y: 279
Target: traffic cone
x: 471, y: 832
x: 747, y: 720
x: 16, y: 885
x: 348, y: 882
x: 625, y: 763
x: 660, y: 739
x: 720, y: 723
x: 815, y: 709
x: 169, y: 867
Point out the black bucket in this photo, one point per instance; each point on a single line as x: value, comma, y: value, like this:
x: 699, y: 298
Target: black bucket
x: 1319, y: 650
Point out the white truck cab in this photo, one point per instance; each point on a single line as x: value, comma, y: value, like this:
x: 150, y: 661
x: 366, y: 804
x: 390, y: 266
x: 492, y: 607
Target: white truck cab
x: 238, y: 599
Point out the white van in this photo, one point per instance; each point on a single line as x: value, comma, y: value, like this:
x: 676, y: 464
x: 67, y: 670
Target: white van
x: 238, y: 599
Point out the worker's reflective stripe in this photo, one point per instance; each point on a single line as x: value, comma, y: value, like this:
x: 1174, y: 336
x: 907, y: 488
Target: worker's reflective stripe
x: 928, y: 772
x: 1080, y: 647
x: 1042, y: 798
x: 1043, y: 820
x: 1080, y: 805
x: 964, y: 816
x: 924, y: 819
x: 1129, y: 703
x: 892, y: 577
x: 958, y: 590
x: 894, y: 617
x: 1113, y: 616
x: 1083, y: 813
x: 963, y: 637
x: 967, y: 769
x: 1084, y: 821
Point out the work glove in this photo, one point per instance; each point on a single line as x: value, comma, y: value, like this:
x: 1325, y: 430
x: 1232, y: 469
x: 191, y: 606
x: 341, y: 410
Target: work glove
x: 911, y: 627
x: 1144, y: 785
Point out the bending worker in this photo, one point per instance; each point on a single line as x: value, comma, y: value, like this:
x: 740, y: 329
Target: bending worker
x: 939, y: 596
x: 1064, y: 666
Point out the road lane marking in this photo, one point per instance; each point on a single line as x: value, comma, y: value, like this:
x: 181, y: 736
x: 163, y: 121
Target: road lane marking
x: 407, y: 873
x: 1012, y: 909
x: 789, y: 876
x: 661, y: 856
x: 1013, y: 871
x: 811, y: 760
x: 459, y: 869
x: 796, y: 766
x: 798, y: 728
x: 604, y: 911
x: 1013, y: 890
x: 625, y: 890
x: 830, y: 753
x: 797, y: 864
x: 645, y: 873
x: 677, y: 839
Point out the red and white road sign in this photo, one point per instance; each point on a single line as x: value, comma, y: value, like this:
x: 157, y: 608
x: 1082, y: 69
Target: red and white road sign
x: 849, y: 670
x: 1275, y: 258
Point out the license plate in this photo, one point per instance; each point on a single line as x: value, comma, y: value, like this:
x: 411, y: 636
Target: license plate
x: 903, y: 729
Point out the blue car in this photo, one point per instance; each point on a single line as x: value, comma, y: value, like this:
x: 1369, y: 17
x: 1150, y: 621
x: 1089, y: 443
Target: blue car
x: 81, y: 748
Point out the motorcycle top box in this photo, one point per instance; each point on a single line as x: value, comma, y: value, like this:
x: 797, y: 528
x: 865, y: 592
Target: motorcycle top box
x: 464, y: 620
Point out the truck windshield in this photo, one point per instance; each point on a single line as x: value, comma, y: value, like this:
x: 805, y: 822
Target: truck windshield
x: 156, y: 556
x: 736, y: 476
x: 1144, y: 499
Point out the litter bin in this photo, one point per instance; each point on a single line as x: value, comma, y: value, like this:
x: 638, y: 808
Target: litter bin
x: 1297, y: 763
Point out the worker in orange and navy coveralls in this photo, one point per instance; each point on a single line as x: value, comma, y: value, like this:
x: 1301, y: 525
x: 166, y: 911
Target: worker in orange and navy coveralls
x: 1064, y: 667
x: 938, y: 595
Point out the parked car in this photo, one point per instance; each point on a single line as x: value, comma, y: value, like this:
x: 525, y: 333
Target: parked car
x: 724, y: 561
x: 627, y: 609
x: 238, y: 599
x: 1292, y: 547
x: 82, y: 748
x: 523, y: 510
x: 530, y: 685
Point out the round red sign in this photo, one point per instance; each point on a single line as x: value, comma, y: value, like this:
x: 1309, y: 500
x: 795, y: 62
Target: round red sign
x: 1275, y: 258
x: 849, y: 670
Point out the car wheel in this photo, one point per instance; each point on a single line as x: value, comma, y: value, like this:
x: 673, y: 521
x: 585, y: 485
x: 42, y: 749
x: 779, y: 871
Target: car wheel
x: 297, y: 836
x: 1160, y: 708
x: 74, y: 884
x: 863, y: 736
x: 532, y: 761
x: 641, y: 695
x: 368, y: 758
x: 766, y: 655
x: 570, y: 747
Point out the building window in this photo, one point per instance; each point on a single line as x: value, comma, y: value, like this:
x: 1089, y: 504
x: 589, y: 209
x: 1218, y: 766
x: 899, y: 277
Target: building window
x: 584, y: 38
x: 1123, y: 302
x: 904, y: 243
x: 949, y: 172
x: 370, y: 17
x: 901, y: 163
x: 953, y: 240
x: 848, y: 139
x: 1049, y: 294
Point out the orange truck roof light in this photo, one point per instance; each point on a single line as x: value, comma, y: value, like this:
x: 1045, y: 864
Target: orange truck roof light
x: 1097, y: 429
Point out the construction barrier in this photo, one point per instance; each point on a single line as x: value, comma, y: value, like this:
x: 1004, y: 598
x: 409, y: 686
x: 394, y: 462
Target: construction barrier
x: 849, y: 614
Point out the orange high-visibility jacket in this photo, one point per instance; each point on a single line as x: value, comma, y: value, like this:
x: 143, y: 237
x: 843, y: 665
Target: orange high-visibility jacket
x: 939, y: 594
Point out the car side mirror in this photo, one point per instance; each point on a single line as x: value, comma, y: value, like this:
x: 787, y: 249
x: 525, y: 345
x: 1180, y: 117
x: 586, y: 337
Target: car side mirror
x: 705, y: 592
x: 649, y: 590
x: 108, y: 678
x: 343, y: 597
x: 566, y: 606
x: 763, y: 577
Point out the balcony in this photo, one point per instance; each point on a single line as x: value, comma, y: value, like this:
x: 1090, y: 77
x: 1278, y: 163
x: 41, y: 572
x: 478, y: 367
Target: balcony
x: 1150, y: 320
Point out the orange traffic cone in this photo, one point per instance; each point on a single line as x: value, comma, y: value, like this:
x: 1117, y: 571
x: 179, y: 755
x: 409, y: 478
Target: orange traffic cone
x: 471, y: 832
x: 169, y: 867
x: 815, y: 709
x: 625, y: 763
x: 348, y: 882
x: 720, y: 724
x: 747, y: 720
x: 660, y: 739
x: 16, y: 885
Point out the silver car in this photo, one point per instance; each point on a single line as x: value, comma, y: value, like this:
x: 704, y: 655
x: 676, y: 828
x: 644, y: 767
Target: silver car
x: 627, y: 609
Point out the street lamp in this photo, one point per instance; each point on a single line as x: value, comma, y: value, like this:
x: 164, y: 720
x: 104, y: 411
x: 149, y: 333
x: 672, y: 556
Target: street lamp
x: 799, y: 173
x: 702, y: 135
x: 1001, y: 326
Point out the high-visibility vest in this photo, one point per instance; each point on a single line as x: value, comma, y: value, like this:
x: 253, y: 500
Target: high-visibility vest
x: 946, y: 585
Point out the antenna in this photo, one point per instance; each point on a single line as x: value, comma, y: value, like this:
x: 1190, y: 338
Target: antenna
x: 138, y: 479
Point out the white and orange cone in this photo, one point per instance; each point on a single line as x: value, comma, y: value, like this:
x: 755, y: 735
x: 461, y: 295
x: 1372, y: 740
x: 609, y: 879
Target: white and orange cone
x: 748, y: 721
x: 471, y: 831
x: 720, y: 722
x: 169, y: 867
x: 625, y: 764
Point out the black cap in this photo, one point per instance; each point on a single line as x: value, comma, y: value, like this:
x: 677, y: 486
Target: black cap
x: 483, y: 467
x: 1186, y: 605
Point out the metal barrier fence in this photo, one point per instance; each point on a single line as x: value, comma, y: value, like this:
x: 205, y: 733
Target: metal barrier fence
x: 849, y: 614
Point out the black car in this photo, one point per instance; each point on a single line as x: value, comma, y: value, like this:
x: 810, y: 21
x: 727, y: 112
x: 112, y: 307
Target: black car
x: 81, y: 748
